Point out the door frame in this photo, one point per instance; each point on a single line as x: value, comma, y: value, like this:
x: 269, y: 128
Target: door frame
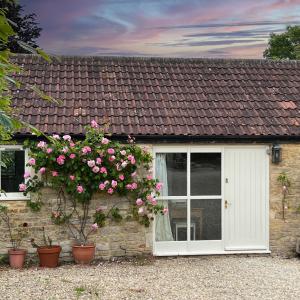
x: 203, y: 247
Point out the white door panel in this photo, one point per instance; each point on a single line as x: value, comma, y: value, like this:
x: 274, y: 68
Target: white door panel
x: 246, y: 194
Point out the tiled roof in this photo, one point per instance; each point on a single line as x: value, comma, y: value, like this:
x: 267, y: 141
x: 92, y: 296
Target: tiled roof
x: 157, y: 96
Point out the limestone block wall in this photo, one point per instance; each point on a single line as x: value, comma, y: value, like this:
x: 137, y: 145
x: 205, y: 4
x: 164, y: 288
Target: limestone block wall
x: 126, y: 238
x: 283, y: 234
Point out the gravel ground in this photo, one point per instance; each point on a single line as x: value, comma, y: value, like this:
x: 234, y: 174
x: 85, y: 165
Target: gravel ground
x: 214, y: 277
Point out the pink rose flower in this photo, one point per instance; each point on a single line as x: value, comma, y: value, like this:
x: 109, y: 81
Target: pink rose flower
x: 133, y: 174
x: 22, y: 187
x: 67, y: 137
x: 141, y: 211
x: 149, y: 197
x: 86, y: 149
x: 80, y: 189
x: 72, y: 177
x: 105, y: 141
x: 134, y: 185
x: 139, y: 202
x: 123, y: 152
x: 110, y: 191
x: 124, y: 164
x: 110, y: 151
x: 154, y: 201
x: 112, y: 158
x: 72, y: 144
x: 130, y: 157
x: 114, y: 183
x: 31, y: 161
x: 94, y: 124
x: 26, y: 174
x: 103, y: 170
x: 65, y: 149
x: 106, y: 182
x: 42, y: 144
x: 54, y: 173
x: 56, y: 136
x: 149, y: 177
x: 121, y: 177
x: 158, y: 186
x: 91, y: 163
x: 61, y: 160
x: 132, y: 161
x: 49, y: 150
x: 72, y: 155
x: 101, y: 186
x: 94, y: 226
x: 98, y: 161
x: 128, y: 186
x: 165, y: 210
x: 96, y: 169
x: 42, y: 170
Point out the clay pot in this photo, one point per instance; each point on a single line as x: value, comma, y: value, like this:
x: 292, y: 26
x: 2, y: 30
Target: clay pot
x: 17, y: 258
x: 49, y: 256
x: 83, y: 254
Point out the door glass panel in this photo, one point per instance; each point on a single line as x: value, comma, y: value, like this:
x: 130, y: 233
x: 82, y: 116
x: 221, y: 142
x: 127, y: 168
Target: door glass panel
x: 205, y: 174
x: 171, y: 170
x: 172, y: 226
x: 206, y: 219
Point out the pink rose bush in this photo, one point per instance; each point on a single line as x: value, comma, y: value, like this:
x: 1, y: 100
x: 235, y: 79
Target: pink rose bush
x: 94, y: 165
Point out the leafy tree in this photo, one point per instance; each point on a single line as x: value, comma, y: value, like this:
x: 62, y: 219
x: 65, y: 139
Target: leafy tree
x: 9, y: 120
x: 25, y: 27
x: 285, y: 45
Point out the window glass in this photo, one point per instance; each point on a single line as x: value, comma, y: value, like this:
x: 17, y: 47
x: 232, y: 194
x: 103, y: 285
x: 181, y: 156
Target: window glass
x: 171, y: 170
x: 206, y: 219
x: 205, y: 174
x: 172, y: 226
x: 13, y: 170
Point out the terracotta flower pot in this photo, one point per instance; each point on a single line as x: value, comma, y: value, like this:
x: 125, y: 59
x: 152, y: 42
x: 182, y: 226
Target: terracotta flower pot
x: 83, y: 254
x: 49, y: 256
x: 17, y: 258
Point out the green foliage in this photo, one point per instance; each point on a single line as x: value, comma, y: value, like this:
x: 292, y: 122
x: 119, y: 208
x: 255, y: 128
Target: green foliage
x: 283, y: 179
x: 25, y: 28
x: 77, y: 170
x: 285, y: 45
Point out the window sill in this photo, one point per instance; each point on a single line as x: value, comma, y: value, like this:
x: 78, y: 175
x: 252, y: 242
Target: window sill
x: 14, y: 197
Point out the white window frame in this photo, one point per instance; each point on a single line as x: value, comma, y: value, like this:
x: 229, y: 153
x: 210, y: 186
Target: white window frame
x: 17, y: 195
x: 190, y: 246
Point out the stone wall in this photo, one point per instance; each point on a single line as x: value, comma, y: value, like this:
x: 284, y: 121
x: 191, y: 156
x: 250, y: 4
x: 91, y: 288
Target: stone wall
x: 283, y: 234
x: 130, y: 238
x: 115, y: 239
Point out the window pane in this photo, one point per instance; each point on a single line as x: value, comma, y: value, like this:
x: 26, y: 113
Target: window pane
x: 206, y: 219
x: 172, y: 226
x: 171, y: 170
x: 205, y: 174
x: 12, y: 173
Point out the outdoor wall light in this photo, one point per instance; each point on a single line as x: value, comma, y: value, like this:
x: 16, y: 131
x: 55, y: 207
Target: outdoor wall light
x: 276, y: 154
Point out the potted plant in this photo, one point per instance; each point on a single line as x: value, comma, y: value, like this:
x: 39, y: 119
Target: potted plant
x: 48, y: 254
x: 78, y: 170
x: 16, y: 235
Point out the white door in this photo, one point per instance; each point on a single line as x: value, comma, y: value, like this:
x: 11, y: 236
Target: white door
x: 246, y: 198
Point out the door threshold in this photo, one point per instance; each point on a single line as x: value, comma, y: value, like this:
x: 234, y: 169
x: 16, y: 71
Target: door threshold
x: 213, y: 253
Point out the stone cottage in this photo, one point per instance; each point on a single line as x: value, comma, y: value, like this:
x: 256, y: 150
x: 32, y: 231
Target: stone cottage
x: 220, y: 131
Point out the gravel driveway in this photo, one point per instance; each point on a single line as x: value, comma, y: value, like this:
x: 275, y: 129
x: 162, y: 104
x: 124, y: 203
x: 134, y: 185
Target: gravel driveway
x: 226, y: 277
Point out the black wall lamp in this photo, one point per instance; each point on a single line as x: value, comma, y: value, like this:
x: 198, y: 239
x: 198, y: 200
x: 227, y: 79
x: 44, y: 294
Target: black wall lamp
x: 276, y: 153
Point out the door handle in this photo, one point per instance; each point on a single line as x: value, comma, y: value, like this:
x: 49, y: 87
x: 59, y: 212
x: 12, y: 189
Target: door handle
x: 226, y: 204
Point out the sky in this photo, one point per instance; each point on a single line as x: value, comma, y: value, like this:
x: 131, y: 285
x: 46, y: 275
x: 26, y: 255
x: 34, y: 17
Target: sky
x: 168, y: 28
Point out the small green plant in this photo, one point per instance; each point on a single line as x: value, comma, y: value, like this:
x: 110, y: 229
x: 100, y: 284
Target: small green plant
x: 285, y: 184
x: 79, y: 291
